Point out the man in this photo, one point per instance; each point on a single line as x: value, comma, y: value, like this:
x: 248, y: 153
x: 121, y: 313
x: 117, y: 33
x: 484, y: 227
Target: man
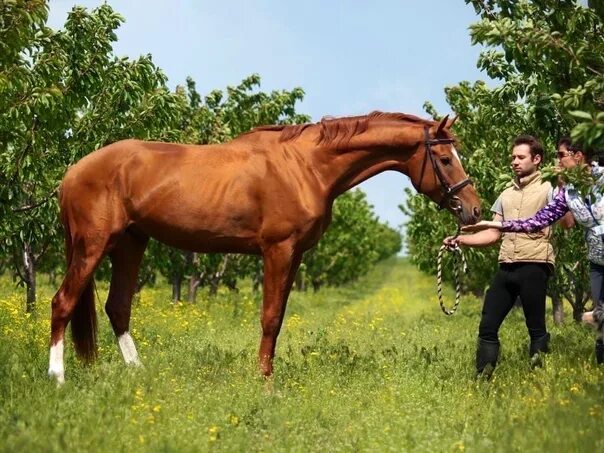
x: 525, y: 260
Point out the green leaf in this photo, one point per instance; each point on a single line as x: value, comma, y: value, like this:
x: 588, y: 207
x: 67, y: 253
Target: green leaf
x: 581, y: 114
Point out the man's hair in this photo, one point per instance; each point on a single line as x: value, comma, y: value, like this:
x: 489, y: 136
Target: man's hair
x: 535, y: 145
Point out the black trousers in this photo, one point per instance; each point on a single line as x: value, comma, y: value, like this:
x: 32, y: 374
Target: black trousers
x: 525, y: 280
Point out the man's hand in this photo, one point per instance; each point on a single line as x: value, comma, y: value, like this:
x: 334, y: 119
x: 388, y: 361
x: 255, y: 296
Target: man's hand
x: 452, y: 241
x: 481, y: 226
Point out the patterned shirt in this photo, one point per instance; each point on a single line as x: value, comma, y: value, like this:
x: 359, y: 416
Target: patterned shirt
x: 589, y: 215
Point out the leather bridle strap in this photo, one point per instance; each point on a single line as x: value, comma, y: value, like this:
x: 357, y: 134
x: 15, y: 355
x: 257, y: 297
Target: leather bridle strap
x: 448, y: 191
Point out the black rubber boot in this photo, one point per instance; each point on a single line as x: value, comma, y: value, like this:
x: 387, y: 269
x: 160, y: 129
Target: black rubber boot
x: 537, y: 348
x: 599, y: 351
x: 487, y: 354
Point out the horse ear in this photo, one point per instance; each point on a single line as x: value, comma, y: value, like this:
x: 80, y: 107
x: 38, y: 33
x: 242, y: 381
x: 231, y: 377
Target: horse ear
x: 451, y: 122
x: 442, y: 125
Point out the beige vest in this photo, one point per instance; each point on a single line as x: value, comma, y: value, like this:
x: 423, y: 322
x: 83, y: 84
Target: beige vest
x: 520, y: 201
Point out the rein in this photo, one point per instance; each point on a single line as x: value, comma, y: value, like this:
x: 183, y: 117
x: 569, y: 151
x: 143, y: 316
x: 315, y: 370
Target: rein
x: 458, y: 261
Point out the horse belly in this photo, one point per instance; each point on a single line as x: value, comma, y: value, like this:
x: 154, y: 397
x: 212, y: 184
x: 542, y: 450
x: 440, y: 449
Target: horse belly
x: 202, y: 227
x: 199, y: 240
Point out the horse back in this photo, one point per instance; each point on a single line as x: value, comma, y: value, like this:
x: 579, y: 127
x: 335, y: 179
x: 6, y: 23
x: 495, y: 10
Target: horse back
x: 206, y: 198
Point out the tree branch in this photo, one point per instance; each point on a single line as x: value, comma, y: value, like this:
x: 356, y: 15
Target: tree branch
x: 35, y: 205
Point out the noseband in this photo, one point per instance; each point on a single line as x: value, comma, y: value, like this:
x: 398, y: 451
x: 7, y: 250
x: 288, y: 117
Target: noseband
x: 447, y: 191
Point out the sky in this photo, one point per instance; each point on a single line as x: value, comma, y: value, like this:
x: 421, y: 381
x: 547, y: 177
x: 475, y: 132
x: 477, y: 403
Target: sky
x: 350, y: 57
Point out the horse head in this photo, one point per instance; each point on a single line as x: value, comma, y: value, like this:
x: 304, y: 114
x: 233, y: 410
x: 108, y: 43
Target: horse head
x: 436, y: 171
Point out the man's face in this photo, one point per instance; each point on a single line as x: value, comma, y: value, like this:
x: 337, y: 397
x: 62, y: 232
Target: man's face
x: 523, y: 163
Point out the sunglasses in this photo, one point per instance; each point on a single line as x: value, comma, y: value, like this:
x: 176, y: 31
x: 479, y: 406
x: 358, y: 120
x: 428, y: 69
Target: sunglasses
x: 563, y: 154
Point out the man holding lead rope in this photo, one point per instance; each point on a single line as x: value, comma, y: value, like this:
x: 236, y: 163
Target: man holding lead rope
x: 526, y: 260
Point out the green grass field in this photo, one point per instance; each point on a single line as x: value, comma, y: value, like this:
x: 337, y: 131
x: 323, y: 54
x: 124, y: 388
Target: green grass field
x: 374, y: 366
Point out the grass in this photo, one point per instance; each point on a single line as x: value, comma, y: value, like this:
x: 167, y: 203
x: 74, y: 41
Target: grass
x: 374, y: 366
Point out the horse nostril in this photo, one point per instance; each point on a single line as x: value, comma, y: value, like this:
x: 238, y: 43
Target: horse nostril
x: 476, y: 212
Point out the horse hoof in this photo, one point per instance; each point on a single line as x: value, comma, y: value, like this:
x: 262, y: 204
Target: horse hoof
x: 134, y: 364
x: 266, y: 369
x: 57, y: 376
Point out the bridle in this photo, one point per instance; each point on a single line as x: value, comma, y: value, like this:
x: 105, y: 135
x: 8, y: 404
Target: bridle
x: 447, y: 191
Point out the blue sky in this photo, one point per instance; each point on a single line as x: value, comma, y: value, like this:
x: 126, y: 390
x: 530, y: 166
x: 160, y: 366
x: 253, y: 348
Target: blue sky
x: 350, y: 57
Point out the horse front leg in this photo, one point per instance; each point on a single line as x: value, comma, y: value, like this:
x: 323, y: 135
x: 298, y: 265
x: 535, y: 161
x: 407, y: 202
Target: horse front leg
x: 125, y: 258
x: 281, y: 262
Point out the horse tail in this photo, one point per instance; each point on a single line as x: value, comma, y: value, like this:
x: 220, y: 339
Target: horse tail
x: 83, y: 324
x: 83, y: 320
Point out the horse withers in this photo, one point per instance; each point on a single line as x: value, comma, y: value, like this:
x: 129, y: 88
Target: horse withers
x: 268, y: 192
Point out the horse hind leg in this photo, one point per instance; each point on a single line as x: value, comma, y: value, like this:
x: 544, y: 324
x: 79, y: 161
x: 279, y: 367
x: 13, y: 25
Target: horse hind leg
x: 75, y: 302
x: 125, y: 258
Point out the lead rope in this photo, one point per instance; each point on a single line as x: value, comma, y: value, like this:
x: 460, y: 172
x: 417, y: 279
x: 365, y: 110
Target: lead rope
x: 458, y: 261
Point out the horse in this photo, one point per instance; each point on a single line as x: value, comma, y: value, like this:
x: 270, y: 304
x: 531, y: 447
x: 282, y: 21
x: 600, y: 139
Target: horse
x: 267, y: 192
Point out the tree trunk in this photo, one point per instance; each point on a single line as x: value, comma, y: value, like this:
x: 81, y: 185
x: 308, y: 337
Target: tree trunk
x: 195, y: 278
x: 581, y: 298
x: 176, y: 284
x: 578, y: 305
x: 316, y: 285
x: 217, y: 277
x: 257, y: 275
x: 577, y: 312
x: 29, y: 266
x: 213, y: 287
x: 478, y: 293
x: 139, y: 286
x: 232, y: 285
x: 52, y: 278
x: 140, y: 283
x: 558, y: 309
x: 300, y: 281
x: 194, y: 282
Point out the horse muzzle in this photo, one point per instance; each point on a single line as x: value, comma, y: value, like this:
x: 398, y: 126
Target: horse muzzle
x: 467, y: 215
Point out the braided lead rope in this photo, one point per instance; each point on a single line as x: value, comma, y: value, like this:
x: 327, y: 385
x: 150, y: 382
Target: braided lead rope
x: 458, y: 259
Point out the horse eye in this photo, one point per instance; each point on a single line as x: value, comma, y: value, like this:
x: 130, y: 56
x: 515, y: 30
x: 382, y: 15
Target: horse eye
x: 445, y: 160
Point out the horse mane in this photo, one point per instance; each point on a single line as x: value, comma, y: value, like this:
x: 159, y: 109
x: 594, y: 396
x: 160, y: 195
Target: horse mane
x: 341, y: 129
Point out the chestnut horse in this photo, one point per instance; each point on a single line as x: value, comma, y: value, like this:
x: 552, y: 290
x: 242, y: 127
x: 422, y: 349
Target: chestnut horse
x: 268, y: 192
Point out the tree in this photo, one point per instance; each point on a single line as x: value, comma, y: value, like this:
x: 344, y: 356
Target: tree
x: 62, y: 95
x: 551, y: 53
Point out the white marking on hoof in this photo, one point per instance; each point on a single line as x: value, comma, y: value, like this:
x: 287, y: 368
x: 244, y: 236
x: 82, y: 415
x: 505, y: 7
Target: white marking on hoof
x: 55, y: 367
x: 128, y: 349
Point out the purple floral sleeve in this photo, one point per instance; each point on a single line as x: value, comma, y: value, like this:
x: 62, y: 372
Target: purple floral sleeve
x: 546, y: 216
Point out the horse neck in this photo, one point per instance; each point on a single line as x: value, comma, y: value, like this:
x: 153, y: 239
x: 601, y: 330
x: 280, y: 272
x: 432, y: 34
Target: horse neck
x: 343, y: 168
